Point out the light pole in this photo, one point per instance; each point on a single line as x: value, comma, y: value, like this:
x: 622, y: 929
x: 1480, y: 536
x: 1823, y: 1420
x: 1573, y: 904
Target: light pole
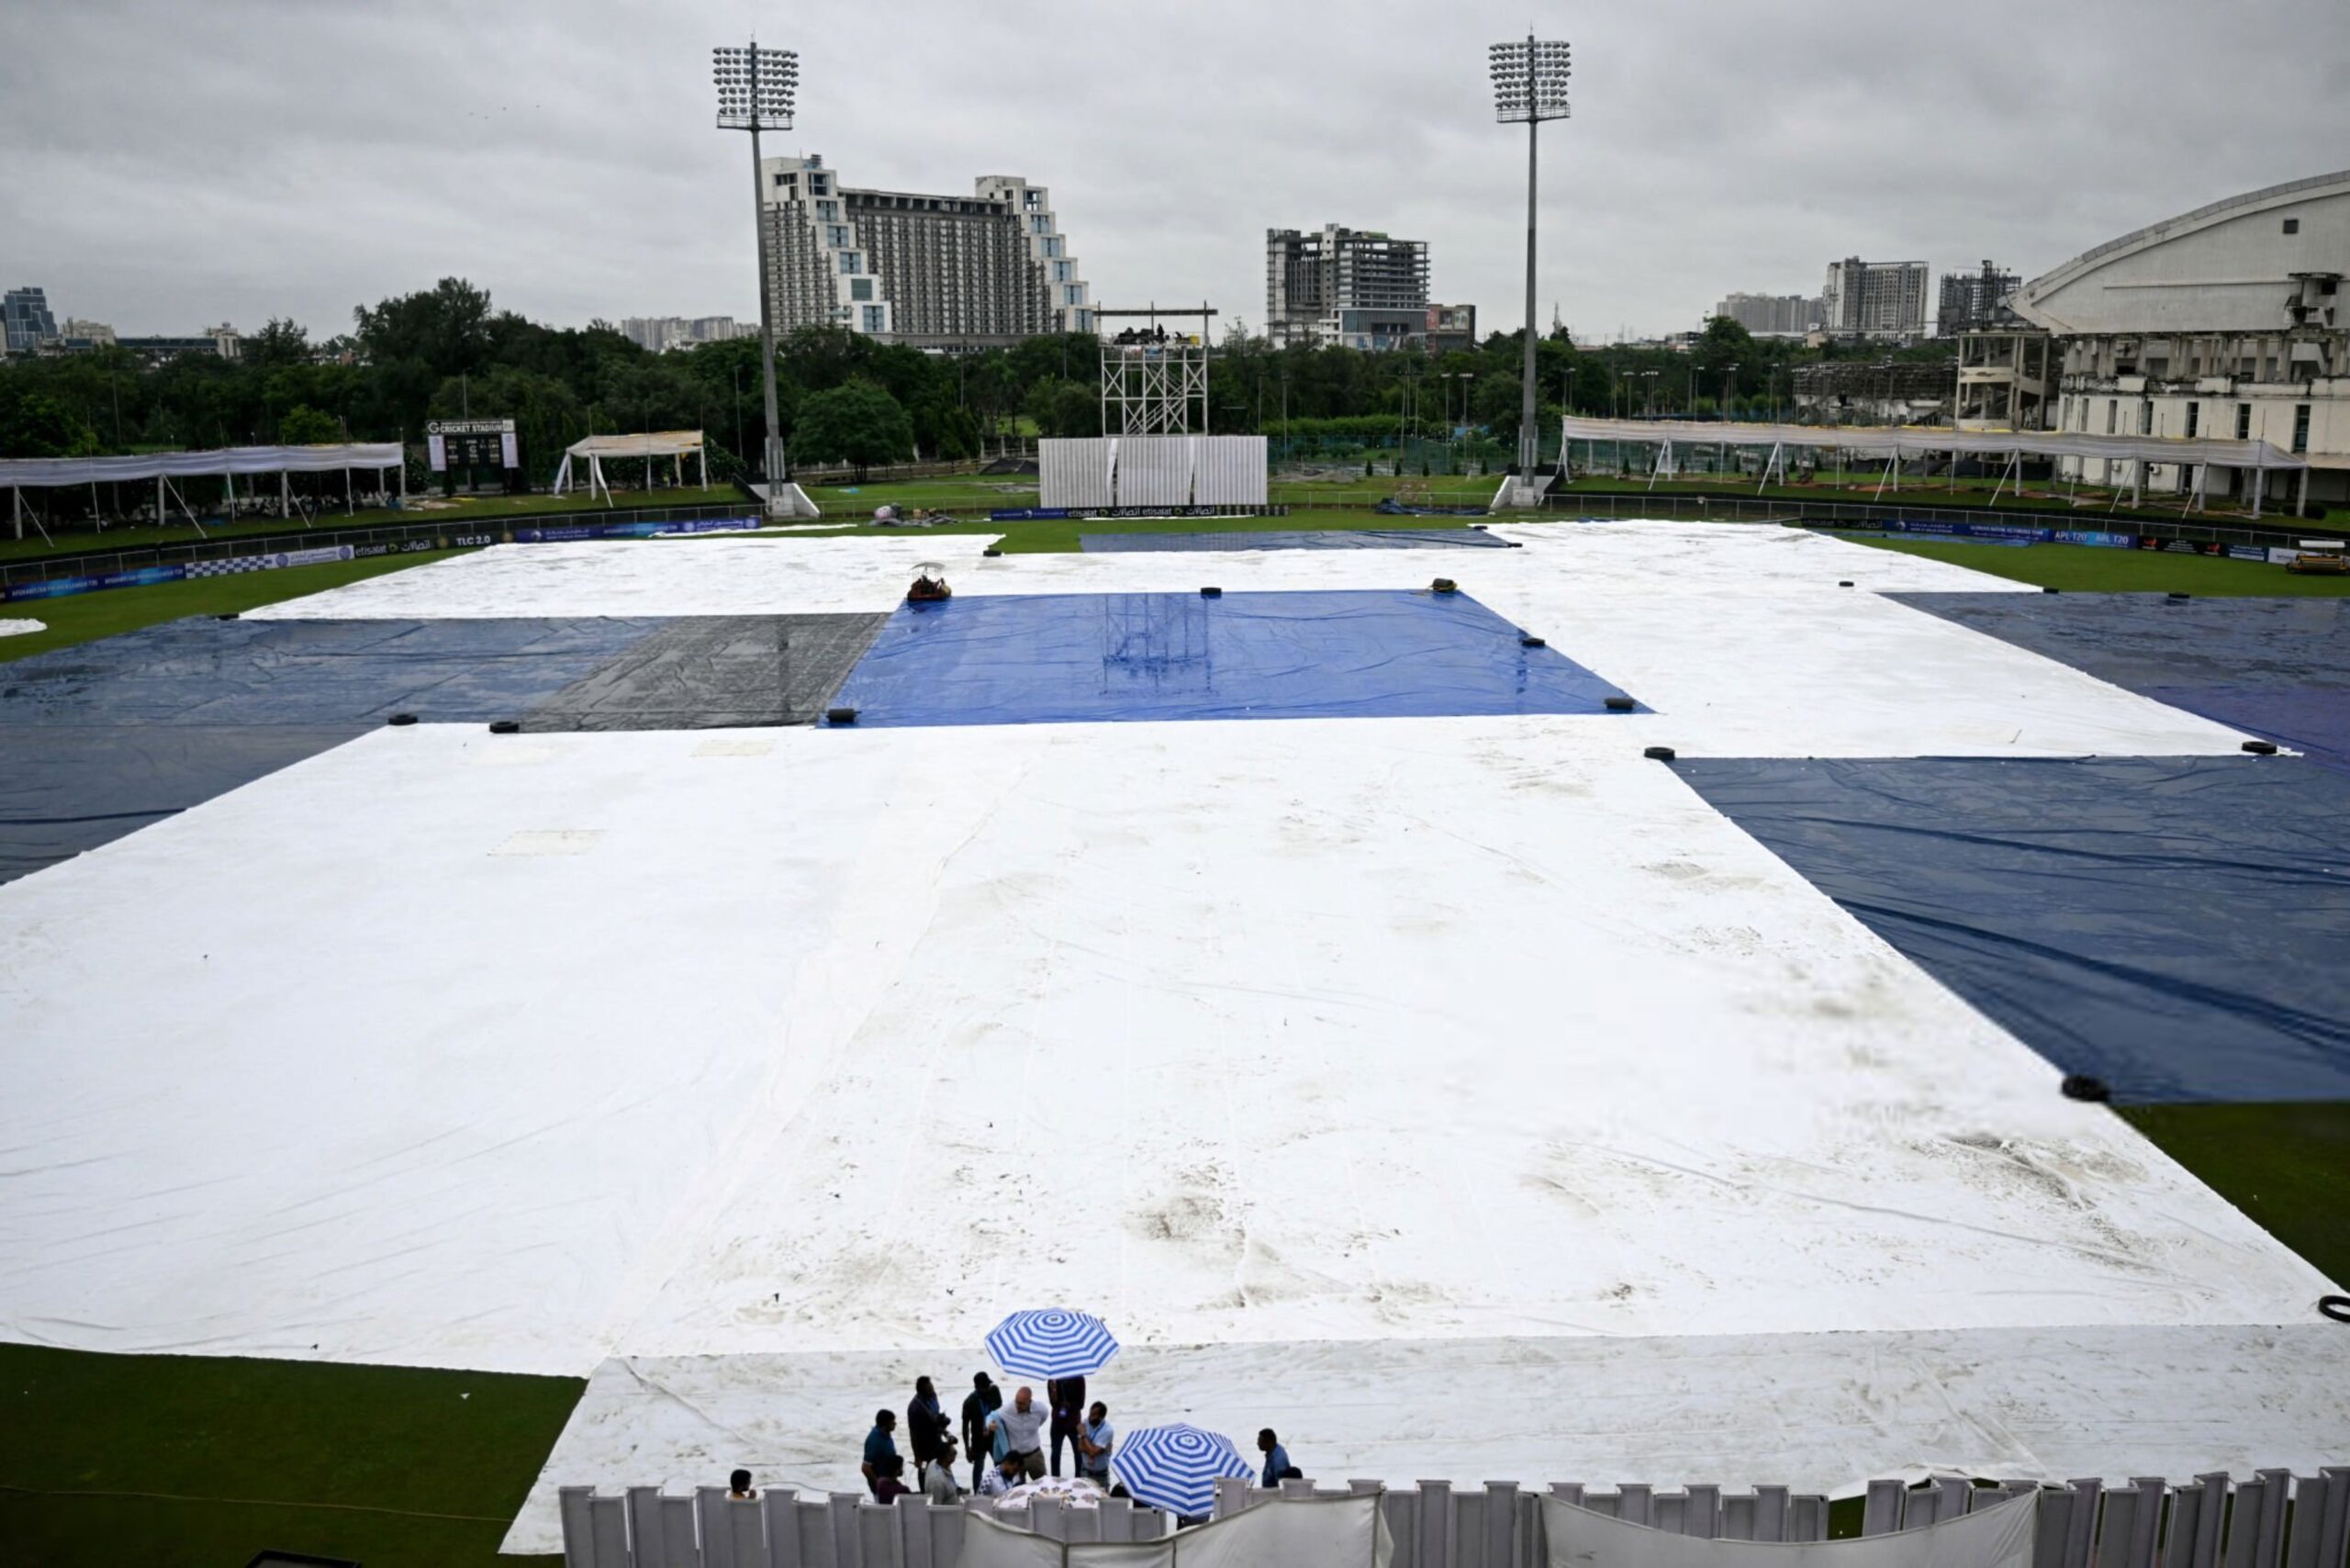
x: 755, y: 88
x: 1529, y: 84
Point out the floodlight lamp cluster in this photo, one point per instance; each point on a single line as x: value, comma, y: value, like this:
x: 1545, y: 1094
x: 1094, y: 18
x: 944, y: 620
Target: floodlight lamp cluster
x: 756, y: 86
x: 1529, y: 79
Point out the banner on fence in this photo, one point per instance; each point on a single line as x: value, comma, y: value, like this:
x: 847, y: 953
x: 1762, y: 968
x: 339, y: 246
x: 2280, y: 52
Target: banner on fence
x: 1029, y: 514
x: 2097, y: 538
x: 146, y: 577
x: 2005, y: 532
x: 2183, y: 546
x: 2279, y: 557
x: 2248, y: 553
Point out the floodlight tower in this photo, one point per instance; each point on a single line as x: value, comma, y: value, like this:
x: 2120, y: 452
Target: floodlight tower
x: 755, y: 88
x: 1529, y: 84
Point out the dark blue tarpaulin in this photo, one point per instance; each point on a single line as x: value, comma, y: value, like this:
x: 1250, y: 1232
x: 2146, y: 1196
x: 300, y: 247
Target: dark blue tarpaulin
x: 2276, y: 667
x: 65, y: 789
x: 1293, y: 539
x: 1077, y: 658
x: 2179, y: 928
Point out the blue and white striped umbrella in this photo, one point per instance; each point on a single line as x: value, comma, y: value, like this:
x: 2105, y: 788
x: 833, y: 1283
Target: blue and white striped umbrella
x: 1175, y: 1467
x: 1055, y: 1342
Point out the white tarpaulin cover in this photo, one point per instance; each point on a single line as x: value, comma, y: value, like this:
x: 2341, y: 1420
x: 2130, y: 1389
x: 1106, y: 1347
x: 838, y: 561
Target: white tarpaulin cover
x: 1920, y: 439
x: 1411, y: 1051
x: 2000, y: 1536
x: 53, y: 471
x: 1305, y: 1532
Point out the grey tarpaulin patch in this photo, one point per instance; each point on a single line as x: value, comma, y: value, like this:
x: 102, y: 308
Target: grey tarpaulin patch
x: 706, y: 672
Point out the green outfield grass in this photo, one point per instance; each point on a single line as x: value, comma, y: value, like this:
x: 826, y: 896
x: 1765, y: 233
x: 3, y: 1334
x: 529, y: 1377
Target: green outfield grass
x: 177, y: 1461
x: 84, y: 617
x: 2281, y: 1164
x: 2084, y: 569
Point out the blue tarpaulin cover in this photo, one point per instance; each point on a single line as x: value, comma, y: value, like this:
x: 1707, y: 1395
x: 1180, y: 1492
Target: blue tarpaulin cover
x: 2276, y: 668
x: 1294, y: 539
x: 1075, y: 658
x: 2179, y: 928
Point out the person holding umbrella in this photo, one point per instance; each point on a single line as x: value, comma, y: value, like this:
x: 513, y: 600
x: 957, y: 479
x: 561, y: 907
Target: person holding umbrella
x: 1055, y: 1344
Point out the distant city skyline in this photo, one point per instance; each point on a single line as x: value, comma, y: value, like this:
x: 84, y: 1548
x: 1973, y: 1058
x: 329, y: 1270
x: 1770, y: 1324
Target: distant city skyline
x: 563, y: 158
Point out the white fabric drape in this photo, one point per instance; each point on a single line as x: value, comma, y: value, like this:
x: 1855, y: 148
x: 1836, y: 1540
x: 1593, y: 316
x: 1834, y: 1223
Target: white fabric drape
x: 2000, y: 1536
x: 1919, y: 440
x: 1316, y: 1532
x: 50, y: 471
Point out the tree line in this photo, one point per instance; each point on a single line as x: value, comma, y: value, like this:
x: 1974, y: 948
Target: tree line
x: 447, y: 352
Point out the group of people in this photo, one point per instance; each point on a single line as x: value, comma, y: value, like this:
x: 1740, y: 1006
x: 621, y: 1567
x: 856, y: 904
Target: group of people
x: 1006, y: 1441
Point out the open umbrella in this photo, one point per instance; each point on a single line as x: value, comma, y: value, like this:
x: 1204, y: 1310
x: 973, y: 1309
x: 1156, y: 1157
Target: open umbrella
x: 1175, y: 1468
x: 1051, y: 1343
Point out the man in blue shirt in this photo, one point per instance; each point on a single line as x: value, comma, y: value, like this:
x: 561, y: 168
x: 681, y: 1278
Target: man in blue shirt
x: 1278, y: 1468
x: 881, y: 1462
x: 1094, y: 1442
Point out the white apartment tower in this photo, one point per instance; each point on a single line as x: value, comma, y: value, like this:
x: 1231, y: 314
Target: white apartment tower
x: 1874, y: 299
x: 947, y: 273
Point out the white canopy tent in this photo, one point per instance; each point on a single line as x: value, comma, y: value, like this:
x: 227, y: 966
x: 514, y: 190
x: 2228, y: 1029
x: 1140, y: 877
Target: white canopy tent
x: 1896, y: 441
x: 673, y: 444
x: 224, y: 462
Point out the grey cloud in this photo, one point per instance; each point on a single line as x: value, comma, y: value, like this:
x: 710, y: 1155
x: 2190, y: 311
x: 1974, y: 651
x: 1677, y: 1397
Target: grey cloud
x: 175, y: 164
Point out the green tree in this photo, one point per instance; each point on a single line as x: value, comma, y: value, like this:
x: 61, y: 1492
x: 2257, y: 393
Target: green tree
x: 304, y: 426
x: 856, y: 423
x: 33, y: 424
x: 283, y: 341
x: 446, y: 327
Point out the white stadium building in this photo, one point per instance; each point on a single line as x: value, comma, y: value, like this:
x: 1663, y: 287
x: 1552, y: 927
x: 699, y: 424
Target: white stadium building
x: 2224, y: 323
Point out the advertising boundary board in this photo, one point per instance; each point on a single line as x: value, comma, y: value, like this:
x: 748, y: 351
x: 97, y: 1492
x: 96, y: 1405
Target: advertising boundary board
x: 147, y: 576
x: 1051, y: 514
x: 569, y: 532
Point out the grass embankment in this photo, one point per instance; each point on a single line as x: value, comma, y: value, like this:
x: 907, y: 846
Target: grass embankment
x: 82, y: 618
x: 174, y: 1461
x: 2082, y: 568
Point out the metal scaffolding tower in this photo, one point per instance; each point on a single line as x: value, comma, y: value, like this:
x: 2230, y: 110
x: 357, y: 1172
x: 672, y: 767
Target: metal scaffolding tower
x: 1155, y: 382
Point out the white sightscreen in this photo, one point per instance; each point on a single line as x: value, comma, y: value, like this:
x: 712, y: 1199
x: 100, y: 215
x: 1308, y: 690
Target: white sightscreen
x: 1073, y: 473
x: 1154, y: 471
x: 1228, y: 470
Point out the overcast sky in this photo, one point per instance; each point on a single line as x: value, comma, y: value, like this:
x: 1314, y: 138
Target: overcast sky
x: 173, y: 163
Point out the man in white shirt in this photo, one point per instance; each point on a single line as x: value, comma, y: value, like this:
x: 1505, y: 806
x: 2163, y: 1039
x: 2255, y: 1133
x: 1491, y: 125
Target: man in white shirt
x: 938, y: 1481
x: 1022, y: 1423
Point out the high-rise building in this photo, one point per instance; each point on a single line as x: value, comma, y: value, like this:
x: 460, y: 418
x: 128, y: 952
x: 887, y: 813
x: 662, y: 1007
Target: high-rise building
x: 26, y: 321
x: 1772, y: 315
x: 1357, y: 288
x: 950, y: 272
x: 1874, y: 299
x: 1976, y: 302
